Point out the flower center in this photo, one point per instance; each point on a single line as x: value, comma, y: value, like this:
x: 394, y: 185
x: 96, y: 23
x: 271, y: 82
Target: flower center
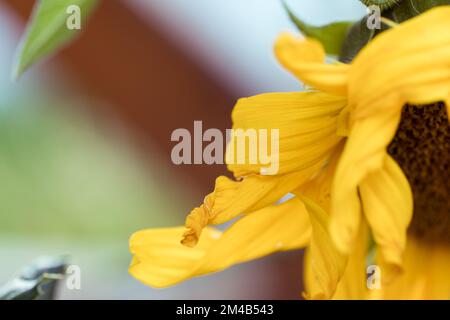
x: 421, y: 147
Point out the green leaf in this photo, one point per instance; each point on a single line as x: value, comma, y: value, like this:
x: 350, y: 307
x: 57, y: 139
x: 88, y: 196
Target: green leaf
x: 408, y: 9
x: 47, y: 31
x: 331, y: 36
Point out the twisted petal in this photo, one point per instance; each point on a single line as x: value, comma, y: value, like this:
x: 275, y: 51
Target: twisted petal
x: 318, y: 188
x: 232, y: 198
x: 364, y: 153
x: 160, y: 260
x: 305, y: 58
x: 326, y: 263
x: 307, y: 124
x: 353, y: 284
x: 409, y: 63
x: 425, y: 274
x: 406, y: 64
x: 388, y: 206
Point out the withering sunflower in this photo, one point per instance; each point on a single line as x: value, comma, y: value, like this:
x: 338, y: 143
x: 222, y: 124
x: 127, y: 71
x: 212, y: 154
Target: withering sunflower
x: 361, y: 152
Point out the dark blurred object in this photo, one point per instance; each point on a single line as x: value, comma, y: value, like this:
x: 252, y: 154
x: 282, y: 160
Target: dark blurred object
x: 37, y: 281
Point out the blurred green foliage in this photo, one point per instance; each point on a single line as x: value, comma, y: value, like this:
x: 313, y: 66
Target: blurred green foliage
x: 62, y: 176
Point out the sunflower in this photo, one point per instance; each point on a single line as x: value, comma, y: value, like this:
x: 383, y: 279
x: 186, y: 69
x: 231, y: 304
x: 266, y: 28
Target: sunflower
x: 365, y: 152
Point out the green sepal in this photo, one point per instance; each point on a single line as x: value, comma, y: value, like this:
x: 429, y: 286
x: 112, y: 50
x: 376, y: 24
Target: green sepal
x: 358, y: 36
x: 382, y: 4
x: 411, y: 8
x: 331, y: 36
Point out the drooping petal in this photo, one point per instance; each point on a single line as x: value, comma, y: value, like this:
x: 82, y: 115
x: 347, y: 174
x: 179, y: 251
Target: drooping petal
x: 305, y: 58
x: 326, y: 263
x: 233, y: 198
x: 318, y: 188
x: 425, y: 275
x: 409, y: 63
x: 160, y: 260
x: 306, y: 122
x: 353, y: 284
x: 388, y: 207
x: 365, y: 152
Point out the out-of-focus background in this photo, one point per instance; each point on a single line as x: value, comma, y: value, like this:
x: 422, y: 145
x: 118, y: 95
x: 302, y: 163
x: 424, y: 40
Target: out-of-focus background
x: 85, y: 137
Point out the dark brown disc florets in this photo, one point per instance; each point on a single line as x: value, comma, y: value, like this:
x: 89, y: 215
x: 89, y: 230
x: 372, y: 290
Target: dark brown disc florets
x: 422, y: 148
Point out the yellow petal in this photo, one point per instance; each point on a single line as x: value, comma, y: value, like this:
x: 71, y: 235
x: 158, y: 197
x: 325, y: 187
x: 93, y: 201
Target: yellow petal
x: 326, y: 264
x: 232, y: 198
x: 305, y: 58
x: 406, y: 64
x: 318, y: 188
x: 426, y: 274
x: 307, y: 125
x: 365, y: 152
x: 160, y: 260
x: 353, y: 285
x: 388, y: 206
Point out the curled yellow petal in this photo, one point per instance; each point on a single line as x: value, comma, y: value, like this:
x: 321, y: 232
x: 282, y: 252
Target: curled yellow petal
x: 353, y: 284
x: 305, y: 58
x: 232, y: 198
x: 425, y: 275
x: 307, y: 125
x: 388, y: 206
x: 160, y: 260
x: 318, y: 188
x: 364, y: 152
x: 406, y: 64
x: 326, y: 263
